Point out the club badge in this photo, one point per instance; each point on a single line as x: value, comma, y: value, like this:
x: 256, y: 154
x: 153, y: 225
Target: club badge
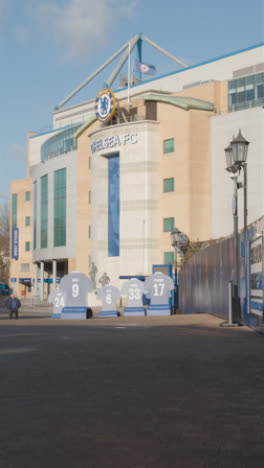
x: 105, y: 105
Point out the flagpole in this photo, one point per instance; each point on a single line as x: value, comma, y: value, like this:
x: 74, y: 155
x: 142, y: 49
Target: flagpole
x: 128, y: 77
x: 133, y: 67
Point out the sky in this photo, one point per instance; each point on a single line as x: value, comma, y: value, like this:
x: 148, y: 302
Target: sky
x: 49, y: 47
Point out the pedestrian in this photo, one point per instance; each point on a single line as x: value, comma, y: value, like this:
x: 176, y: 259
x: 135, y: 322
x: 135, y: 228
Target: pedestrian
x: 13, y: 305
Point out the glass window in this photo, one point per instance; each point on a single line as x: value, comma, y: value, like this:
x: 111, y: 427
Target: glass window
x: 44, y: 212
x: 169, y: 258
x: 259, y: 83
x: 60, y: 207
x: 241, y: 90
x: 27, y: 246
x: 168, y: 224
x: 89, y: 162
x: 27, y: 196
x: 168, y: 185
x: 62, y: 142
x: 168, y: 146
x: 246, y: 92
x: 249, y: 88
x: 14, y: 210
x: 27, y: 220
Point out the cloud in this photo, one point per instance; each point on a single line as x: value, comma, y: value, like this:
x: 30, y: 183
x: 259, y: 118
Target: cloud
x: 16, y: 152
x: 82, y: 26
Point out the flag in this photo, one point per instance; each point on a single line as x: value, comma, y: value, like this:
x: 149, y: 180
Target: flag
x: 143, y: 68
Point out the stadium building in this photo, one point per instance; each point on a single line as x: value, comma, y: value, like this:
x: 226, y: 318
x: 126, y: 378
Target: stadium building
x: 116, y: 174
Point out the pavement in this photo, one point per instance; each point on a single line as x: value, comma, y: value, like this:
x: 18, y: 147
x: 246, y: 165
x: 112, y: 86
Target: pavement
x: 149, y: 392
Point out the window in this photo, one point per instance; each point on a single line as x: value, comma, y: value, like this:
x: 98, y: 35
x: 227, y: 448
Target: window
x: 89, y: 232
x: 168, y: 185
x: 27, y: 246
x: 168, y: 146
x: 169, y: 258
x: 24, y: 267
x: 44, y: 212
x: 61, y: 143
x: 89, y: 162
x: 27, y: 196
x: 246, y: 92
x: 168, y: 224
x: 27, y: 220
x: 60, y: 207
x: 14, y: 210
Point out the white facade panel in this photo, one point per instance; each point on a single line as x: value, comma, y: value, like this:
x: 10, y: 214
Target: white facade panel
x: 223, y: 129
x: 138, y: 153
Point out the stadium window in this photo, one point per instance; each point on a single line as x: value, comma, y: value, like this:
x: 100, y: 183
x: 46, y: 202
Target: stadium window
x: 27, y: 220
x: 27, y: 196
x: 168, y: 185
x: 168, y: 224
x: 168, y: 146
x: 169, y: 258
x: 14, y: 210
x: 27, y: 246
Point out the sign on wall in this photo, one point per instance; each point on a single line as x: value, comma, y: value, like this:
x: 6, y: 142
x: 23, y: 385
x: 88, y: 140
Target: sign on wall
x: 256, y: 276
x: 15, y: 242
x: 105, y: 104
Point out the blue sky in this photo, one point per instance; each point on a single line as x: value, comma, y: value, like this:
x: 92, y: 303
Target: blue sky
x: 48, y: 47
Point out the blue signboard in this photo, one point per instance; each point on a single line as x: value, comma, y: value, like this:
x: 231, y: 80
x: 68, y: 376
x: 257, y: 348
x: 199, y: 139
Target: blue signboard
x: 15, y: 240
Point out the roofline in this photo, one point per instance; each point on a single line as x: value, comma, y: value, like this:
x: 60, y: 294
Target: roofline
x: 116, y: 91
x: 261, y: 44
x: 53, y: 130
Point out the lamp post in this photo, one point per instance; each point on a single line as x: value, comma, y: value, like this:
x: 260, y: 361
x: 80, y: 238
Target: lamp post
x: 236, y: 157
x: 179, y: 241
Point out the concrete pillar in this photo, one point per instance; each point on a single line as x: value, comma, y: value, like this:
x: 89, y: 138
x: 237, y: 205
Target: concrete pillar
x: 41, y: 281
x: 54, y: 274
x: 36, y: 280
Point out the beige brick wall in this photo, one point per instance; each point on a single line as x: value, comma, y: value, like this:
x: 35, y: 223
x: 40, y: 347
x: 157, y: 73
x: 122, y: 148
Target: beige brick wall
x: 24, y: 209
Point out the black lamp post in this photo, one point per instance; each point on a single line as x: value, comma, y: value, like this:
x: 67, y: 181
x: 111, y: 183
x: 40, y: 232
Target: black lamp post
x: 179, y: 241
x: 236, y: 158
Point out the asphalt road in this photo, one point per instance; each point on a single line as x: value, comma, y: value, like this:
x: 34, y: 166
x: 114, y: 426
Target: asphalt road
x: 130, y: 393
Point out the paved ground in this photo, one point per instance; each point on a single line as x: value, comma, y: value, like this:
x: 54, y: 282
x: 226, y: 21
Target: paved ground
x: 130, y: 393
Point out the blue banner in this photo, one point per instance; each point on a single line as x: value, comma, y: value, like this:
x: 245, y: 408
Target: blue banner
x: 15, y: 241
x: 113, y: 206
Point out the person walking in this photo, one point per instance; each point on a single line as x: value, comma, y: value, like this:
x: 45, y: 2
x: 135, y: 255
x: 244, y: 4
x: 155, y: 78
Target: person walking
x: 13, y: 305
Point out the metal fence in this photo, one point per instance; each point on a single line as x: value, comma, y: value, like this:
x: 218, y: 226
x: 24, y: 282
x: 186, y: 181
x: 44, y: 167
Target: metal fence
x: 203, y: 280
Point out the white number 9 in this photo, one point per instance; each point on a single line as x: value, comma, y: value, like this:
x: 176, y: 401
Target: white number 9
x: 75, y: 290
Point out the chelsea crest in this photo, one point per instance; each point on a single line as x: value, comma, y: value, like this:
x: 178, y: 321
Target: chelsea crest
x: 105, y: 105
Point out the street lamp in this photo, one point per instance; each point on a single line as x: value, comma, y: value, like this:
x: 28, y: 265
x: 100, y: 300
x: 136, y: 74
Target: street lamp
x: 236, y: 158
x: 179, y: 241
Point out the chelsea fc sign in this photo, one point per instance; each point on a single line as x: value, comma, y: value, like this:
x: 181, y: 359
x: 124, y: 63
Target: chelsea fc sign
x: 105, y: 105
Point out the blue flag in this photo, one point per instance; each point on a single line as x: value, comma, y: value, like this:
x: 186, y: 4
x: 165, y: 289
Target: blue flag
x: 144, y: 68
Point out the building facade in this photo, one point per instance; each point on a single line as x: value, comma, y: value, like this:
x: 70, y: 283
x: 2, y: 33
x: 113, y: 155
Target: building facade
x: 105, y: 196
